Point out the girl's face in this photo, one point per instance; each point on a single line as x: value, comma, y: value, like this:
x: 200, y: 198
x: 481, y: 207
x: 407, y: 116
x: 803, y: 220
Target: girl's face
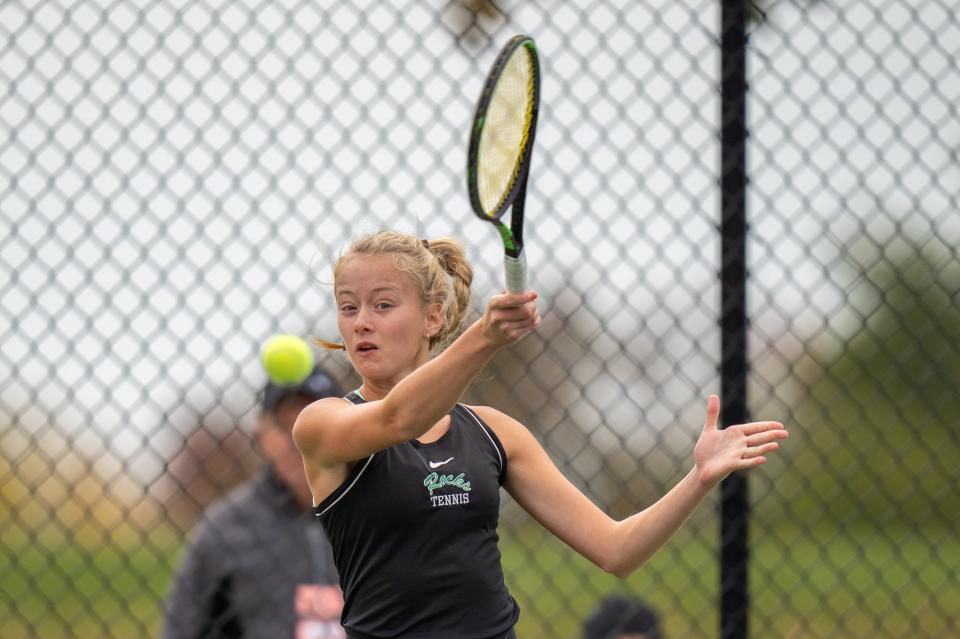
x: 383, y: 325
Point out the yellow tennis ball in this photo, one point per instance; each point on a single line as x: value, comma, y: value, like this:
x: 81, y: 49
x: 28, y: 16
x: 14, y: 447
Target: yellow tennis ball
x: 287, y: 359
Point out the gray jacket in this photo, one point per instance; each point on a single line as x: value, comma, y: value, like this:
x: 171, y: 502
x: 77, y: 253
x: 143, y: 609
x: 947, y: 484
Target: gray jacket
x: 242, y: 570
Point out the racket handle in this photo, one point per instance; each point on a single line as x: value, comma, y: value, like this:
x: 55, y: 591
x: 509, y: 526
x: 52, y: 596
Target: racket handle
x: 516, y: 270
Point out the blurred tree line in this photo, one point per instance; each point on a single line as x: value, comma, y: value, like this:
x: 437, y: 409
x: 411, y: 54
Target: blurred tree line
x: 876, y: 437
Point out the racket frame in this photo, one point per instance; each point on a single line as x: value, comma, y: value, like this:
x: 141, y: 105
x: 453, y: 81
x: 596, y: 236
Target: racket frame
x: 512, y: 236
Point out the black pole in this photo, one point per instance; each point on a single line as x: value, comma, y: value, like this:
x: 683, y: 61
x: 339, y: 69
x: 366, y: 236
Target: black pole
x: 734, y: 502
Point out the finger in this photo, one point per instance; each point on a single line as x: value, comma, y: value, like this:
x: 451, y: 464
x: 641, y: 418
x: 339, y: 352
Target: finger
x: 750, y: 463
x: 521, y: 314
x: 510, y: 328
x: 502, y: 317
x: 512, y: 300
x: 507, y: 316
x: 759, y: 427
x: 713, y: 413
x: 766, y: 436
x: 758, y: 451
x: 515, y: 316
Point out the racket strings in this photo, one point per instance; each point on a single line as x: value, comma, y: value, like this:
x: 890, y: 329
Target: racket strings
x: 506, y: 130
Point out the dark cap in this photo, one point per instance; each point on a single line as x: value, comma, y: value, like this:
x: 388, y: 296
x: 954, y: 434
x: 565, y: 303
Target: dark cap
x: 317, y: 385
x: 619, y: 615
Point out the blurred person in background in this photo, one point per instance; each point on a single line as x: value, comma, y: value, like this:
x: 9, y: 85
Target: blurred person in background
x: 259, y: 564
x: 617, y: 617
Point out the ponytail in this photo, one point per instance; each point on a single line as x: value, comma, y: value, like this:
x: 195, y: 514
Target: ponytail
x: 452, y: 260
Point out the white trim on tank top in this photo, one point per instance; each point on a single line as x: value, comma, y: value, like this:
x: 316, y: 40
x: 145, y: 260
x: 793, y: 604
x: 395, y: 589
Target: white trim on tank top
x: 484, y: 429
x: 355, y: 479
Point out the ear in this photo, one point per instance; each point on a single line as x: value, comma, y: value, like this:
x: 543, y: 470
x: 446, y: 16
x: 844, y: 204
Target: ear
x: 433, y: 319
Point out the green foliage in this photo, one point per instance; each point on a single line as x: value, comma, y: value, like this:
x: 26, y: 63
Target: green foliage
x: 877, y: 436
x: 806, y: 583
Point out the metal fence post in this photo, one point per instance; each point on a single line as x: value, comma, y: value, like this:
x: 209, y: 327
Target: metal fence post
x: 734, y: 506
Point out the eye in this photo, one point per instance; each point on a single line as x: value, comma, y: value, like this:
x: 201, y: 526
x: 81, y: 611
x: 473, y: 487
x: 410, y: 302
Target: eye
x: 382, y: 306
x: 346, y: 308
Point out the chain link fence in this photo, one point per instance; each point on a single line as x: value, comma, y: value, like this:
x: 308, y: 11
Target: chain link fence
x: 177, y: 176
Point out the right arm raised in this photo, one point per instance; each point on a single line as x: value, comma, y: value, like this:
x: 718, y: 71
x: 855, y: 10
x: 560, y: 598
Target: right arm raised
x: 331, y: 431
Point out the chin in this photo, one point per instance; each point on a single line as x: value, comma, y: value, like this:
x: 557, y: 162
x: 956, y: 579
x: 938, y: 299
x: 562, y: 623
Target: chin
x: 369, y: 370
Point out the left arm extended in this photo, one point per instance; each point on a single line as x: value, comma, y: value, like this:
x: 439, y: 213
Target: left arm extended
x: 620, y: 547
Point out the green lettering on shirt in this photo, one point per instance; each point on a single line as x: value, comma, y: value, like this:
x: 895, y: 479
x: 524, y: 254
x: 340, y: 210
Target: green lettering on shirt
x: 435, y: 481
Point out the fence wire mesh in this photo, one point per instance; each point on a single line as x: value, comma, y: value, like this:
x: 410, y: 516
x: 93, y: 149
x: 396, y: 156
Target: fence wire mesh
x: 176, y: 178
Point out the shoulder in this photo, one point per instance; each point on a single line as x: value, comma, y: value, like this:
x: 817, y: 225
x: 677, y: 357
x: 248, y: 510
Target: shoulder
x: 311, y: 419
x: 513, y: 435
x: 493, y: 417
x: 329, y: 404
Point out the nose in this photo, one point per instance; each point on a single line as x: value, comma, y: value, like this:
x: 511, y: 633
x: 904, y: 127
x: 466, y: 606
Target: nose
x: 363, y: 322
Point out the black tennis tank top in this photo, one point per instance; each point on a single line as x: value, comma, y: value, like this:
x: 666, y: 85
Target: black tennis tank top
x: 414, y: 536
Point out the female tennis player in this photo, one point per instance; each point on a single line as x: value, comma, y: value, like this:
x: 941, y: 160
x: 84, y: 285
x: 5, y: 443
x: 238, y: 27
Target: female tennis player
x: 406, y: 480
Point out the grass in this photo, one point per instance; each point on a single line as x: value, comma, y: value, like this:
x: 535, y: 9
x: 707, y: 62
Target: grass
x: 819, y: 583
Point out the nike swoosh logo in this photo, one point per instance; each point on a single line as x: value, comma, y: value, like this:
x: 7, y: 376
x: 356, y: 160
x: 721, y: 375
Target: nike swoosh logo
x: 439, y: 464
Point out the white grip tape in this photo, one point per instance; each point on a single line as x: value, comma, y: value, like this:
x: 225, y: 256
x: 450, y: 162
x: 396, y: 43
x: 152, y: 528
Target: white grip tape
x: 516, y: 270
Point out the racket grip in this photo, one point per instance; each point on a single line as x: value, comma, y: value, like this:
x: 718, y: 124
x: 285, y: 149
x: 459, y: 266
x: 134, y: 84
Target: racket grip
x: 516, y: 270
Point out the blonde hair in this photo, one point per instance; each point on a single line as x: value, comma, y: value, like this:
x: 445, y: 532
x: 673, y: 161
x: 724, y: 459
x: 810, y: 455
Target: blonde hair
x: 438, y: 269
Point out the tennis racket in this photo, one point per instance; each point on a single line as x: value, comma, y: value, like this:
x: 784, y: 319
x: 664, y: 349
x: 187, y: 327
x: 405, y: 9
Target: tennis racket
x: 501, y: 145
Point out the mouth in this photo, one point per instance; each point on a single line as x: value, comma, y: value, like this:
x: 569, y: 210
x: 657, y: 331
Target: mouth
x: 365, y: 347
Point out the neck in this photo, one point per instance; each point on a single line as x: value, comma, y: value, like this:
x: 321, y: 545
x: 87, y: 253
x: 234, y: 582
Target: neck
x: 372, y: 391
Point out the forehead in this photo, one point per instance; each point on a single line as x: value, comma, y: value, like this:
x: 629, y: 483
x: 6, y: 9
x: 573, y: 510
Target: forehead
x: 360, y: 274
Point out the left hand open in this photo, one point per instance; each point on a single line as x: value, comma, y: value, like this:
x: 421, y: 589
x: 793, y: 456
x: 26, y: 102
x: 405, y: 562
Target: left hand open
x: 720, y: 452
